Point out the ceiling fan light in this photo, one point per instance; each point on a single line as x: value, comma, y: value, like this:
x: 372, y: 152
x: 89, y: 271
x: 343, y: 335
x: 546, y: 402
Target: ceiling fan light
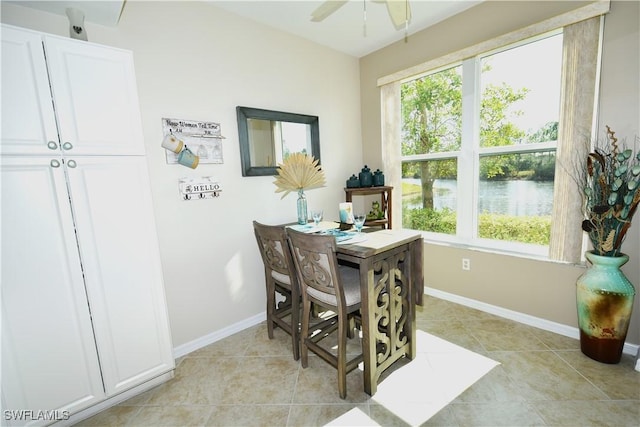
x: 406, y: 21
x: 364, y: 18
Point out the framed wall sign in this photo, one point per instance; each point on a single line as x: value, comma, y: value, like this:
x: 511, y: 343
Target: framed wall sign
x: 204, y: 139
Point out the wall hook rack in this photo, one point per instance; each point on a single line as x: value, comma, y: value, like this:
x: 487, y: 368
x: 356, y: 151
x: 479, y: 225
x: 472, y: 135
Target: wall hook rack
x: 201, y: 188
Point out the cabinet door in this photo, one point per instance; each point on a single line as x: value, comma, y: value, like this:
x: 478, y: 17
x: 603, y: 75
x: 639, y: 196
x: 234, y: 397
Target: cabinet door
x: 96, y: 99
x: 117, y: 237
x: 28, y: 122
x: 49, y: 357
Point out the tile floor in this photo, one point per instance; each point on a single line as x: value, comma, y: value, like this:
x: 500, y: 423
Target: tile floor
x: 248, y: 380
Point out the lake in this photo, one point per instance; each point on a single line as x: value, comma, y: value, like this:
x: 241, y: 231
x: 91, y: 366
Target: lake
x: 519, y: 198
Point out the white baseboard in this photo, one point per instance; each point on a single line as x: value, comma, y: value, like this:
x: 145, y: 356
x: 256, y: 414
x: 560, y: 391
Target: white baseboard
x: 537, y: 322
x: 547, y: 325
x: 205, y: 340
x: 99, y: 407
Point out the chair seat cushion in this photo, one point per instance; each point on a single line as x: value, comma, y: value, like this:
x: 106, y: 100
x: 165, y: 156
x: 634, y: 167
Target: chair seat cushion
x: 351, y: 284
x: 281, y: 278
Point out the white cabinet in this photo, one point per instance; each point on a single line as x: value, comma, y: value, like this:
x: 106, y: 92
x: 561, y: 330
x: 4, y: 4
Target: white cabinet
x: 94, y: 93
x: 84, y: 315
x: 49, y: 357
x: 95, y: 96
x: 28, y: 121
x: 120, y: 256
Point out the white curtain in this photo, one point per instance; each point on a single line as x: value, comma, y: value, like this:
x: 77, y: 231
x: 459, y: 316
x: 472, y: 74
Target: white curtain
x: 580, y: 72
x: 391, y: 152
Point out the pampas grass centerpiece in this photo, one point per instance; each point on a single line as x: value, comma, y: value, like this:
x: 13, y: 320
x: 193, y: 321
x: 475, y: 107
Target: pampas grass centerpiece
x: 298, y: 172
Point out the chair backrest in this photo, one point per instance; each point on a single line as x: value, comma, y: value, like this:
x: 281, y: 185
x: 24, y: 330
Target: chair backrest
x: 316, y: 264
x: 274, y: 249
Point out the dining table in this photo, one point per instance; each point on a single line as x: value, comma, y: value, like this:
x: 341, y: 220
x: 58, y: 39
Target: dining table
x: 391, y: 285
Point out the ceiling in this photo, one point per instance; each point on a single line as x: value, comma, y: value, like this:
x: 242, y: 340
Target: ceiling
x: 103, y: 12
x: 344, y: 30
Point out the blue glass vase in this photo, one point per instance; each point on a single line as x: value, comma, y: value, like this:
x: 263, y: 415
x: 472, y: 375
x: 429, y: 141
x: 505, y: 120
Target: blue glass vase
x: 302, y: 207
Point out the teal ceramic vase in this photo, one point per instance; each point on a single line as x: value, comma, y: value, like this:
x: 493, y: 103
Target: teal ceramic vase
x: 605, y: 301
x: 302, y: 207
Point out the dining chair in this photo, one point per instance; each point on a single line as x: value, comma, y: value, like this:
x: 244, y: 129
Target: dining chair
x: 280, y: 278
x: 329, y: 285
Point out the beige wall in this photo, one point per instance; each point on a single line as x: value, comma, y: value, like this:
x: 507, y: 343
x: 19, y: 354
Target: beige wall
x: 195, y: 61
x: 538, y: 288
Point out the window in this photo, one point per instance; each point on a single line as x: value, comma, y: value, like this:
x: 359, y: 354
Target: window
x: 576, y: 128
x: 478, y: 142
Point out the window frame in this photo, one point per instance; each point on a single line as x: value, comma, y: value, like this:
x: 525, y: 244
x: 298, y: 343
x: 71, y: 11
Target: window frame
x: 470, y: 153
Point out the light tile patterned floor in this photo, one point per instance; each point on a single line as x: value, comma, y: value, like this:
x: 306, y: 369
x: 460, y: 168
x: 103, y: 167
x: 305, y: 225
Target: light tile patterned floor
x: 248, y: 380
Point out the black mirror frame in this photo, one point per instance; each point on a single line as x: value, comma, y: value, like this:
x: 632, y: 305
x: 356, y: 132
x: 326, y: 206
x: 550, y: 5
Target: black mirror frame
x: 245, y: 113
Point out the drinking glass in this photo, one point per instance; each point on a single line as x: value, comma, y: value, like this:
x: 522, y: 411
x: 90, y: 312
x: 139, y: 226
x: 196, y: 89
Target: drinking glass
x: 358, y: 221
x: 317, y: 216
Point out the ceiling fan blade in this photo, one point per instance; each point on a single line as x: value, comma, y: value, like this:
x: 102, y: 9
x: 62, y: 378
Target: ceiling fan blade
x: 326, y: 9
x: 399, y: 12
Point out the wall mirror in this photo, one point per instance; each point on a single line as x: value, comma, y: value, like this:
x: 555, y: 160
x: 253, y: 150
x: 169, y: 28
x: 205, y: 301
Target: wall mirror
x: 266, y: 137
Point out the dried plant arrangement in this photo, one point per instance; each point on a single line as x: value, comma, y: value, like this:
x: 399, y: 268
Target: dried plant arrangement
x: 611, y: 195
x: 298, y: 172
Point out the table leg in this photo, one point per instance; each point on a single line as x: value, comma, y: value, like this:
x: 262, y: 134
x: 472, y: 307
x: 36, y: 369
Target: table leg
x: 367, y: 310
x: 411, y: 298
x: 417, y: 271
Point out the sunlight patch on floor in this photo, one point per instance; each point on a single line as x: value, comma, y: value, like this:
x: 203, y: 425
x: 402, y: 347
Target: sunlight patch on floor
x: 353, y: 418
x: 440, y: 372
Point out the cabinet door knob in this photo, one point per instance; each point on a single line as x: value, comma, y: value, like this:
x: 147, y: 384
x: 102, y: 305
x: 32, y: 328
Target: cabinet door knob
x: 67, y: 146
x: 72, y: 163
x: 52, y: 145
x: 54, y: 163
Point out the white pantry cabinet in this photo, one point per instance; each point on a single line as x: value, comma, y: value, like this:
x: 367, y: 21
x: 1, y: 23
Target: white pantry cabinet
x: 84, y: 315
x: 121, y: 264
x: 49, y: 357
x: 94, y: 93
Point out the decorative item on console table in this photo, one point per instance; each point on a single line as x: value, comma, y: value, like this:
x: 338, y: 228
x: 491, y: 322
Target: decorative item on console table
x: 353, y: 182
x: 384, y: 217
x: 375, y: 213
x: 611, y: 182
x: 299, y: 172
x: 366, y: 177
x: 378, y: 178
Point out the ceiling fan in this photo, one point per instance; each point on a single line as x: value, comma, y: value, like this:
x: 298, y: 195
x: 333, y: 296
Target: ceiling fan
x: 399, y: 11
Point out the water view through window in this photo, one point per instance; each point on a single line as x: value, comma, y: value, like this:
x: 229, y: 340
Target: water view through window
x: 517, y: 198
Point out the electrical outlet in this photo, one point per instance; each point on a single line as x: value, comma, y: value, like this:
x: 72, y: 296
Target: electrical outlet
x: 466, y: 264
